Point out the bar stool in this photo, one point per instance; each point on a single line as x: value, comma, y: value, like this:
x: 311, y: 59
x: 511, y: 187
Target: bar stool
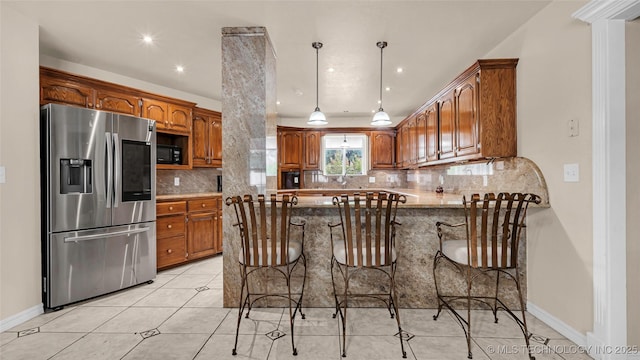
x: 493, y: 227
x: 364, y: 241
x: 265, y: 233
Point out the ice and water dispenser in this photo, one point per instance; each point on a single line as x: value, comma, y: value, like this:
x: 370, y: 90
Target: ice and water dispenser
x: 75, y: 176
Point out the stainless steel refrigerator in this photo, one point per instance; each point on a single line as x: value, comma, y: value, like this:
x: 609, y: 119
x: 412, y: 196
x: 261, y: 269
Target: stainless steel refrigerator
x: 98, y: 202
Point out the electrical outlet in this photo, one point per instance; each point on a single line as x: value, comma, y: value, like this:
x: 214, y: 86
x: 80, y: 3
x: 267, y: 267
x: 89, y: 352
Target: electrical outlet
x: 372, y: 179
x: 571, y: 173
x: 176, y: 181
x: 3, y: 177
x: 573, y: 127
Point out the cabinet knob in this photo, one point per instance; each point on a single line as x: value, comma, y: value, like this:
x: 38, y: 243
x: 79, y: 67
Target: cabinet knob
x: 169, y: 226
x: 90, y: 105
x: 170, y: 207
x: 169, y: 251
x: 166, y: 123
x: 204, y: 205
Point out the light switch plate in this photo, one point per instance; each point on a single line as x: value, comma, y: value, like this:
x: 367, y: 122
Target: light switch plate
x: 571, y: 173
x: 3, y: 178
x: 573, y: 127
x: 176, y: 181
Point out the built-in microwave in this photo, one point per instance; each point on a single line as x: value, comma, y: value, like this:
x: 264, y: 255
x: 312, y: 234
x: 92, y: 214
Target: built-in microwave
x: 169, y: 154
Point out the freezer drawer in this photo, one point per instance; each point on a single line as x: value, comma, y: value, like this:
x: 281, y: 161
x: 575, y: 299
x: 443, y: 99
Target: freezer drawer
x: 84, y: 264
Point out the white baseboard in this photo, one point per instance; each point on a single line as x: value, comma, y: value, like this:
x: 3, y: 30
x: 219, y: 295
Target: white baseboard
x: 557, y: 325
x: 19, y: 318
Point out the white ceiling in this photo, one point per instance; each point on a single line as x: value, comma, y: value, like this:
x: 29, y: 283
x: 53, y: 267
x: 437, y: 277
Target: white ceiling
x: 432, y: 40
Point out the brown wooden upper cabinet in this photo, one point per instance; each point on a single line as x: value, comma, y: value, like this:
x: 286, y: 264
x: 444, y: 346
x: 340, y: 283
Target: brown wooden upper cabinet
x: 64, y: 90
x: 431, y: 129
x: 170, y: 118
x: 108, y: 100
x: 290, y: 149
x: 382, y: 149
x: 207, y: 138
x: 447, y: 133
x: 311, y: 150
x: 473, y: 117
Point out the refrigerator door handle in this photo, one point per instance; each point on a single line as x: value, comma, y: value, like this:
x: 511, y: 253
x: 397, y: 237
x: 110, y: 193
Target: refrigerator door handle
x: 109, y: 172
x: 116, y: 169
x: 104, y: 235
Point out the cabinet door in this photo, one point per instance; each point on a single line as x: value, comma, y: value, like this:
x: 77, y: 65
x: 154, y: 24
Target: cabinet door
x: 117, y: 102
x: 156, y: 110
x: 447, y: 126
x: 290, y: 149
x: 382, y: 149
x: 179, y: 118
x: 466, y: 117
x: 312, y: 150
x: 218, y: 226
x: 200, y: 235
x: 406, y: 146
x: 200, y: 140
x: 421, y: 138
x: 431, y: 128
x: 413, y: 141
x: 65, y: 92
x: 215, y: 140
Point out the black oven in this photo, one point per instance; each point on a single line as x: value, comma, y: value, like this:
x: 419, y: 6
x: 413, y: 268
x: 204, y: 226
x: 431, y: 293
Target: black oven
x: 169, y: 154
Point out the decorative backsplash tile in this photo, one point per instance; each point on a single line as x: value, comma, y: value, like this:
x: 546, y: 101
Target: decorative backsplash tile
x: 191, y: 181
x: 516, y: 174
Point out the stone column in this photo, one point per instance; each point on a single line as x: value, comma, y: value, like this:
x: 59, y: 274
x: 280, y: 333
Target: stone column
x: 248, y: 132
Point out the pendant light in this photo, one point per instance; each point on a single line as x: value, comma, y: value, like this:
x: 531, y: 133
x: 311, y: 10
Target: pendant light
x: 317, y: 117
x: 381, y: 118
x: 345, y: 144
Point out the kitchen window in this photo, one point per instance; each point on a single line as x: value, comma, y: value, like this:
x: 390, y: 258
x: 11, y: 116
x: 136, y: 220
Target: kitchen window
x: 344, y: 154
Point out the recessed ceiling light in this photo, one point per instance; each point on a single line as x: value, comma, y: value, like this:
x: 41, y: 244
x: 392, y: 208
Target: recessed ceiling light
x: 298, y: 92
x: 388, y: 88
x: 379, y: 101
x: 399, y: 70
x: 180, y: 68
x: 373, y: 111
x: 277, y: 102
x: 331, y: 69
x: 147, y: 39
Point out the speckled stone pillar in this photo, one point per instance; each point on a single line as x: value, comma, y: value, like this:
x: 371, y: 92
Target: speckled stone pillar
x: 249, y: 132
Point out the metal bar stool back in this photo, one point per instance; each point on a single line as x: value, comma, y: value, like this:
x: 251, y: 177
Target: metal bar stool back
x: 493, y: 226
x: 265, y: 243
x: 363, y: 240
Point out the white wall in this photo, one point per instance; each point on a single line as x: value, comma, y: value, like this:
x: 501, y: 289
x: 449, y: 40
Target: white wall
x: 632, y: 32
x: 19, y: 154
x: 554, y: 86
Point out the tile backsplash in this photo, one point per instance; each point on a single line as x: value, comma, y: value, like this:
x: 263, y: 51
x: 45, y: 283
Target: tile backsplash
x: 191, y: 181
x: 500, y: 175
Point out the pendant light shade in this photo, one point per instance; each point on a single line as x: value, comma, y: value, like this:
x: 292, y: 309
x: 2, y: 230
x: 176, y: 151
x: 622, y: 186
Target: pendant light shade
x: 317, y: 117
x: 381, y: 118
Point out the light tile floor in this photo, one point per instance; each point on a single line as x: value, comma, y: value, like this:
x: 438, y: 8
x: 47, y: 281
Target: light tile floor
x: 180, y: 316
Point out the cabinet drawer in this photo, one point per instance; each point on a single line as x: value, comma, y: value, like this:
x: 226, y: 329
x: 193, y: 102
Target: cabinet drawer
x: 174, y: 207
x: 202, y: 205
x: 171, y: 251
x: 168, y: 226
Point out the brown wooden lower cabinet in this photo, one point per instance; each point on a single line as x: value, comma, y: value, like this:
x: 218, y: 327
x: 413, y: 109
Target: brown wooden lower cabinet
x: 188, y: 230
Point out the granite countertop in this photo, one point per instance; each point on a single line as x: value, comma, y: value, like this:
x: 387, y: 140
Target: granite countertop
x: 186, y: 196
x: 415, y: 198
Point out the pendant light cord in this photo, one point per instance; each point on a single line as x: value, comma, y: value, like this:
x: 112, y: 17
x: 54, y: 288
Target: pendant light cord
x: 317, y: 108
x: 381, y: 48
x: 381, y: 45
x: 317, y: 46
